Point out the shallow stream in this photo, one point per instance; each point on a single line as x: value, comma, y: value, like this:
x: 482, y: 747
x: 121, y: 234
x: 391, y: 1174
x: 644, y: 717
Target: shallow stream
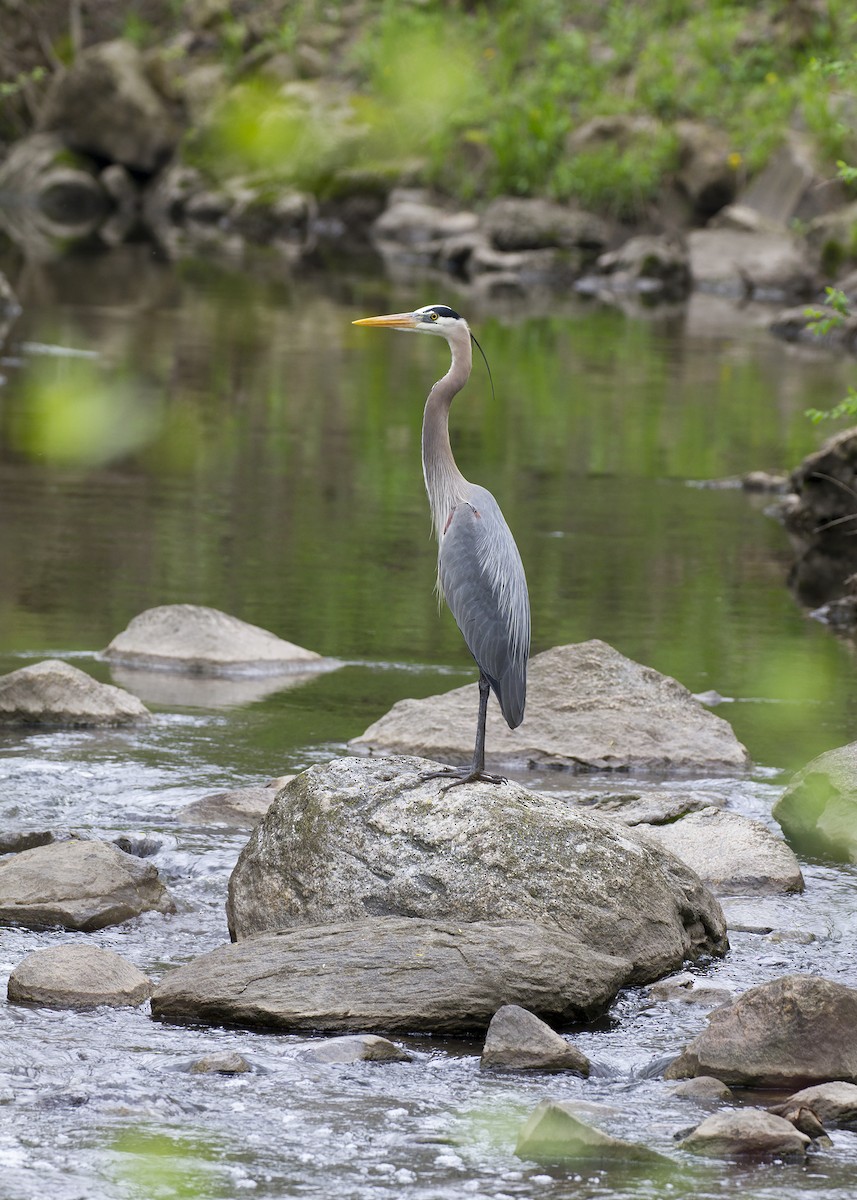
x: 223, y: 436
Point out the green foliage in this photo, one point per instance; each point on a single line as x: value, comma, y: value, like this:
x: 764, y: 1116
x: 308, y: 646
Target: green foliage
x: 821, y: 323
x: 12, y: 87
x: 619, y: 182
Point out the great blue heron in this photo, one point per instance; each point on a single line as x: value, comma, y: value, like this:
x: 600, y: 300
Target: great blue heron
x: 479, y: 569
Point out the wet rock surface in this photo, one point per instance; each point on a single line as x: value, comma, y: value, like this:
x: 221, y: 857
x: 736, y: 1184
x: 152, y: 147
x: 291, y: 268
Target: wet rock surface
x: 730, y: 853
x: 796, y: 1030
x: 518, y: 1041
x: 588, y: 708
x: 200, y: 640
x: 80, y: 885
x: 554, y: 1133
x: 359, y: 837
x: 393, y: 974
x: 747, y: 1133
x: 220, y: 1064
x: 818, y: 809
x: 704, y: 1088
x: 55, y: 693
x: 77, y: 976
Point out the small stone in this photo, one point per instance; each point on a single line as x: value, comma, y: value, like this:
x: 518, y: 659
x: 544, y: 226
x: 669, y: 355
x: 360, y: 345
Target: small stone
x: 220, y: 1064
x: 78, y: 884
x: 200, y: 640
x: 55, y: 693
x: 77, y: 976
x: 747, y: 1133
x: 835, y: 1104
x: 361, y: 1047
x: 25, y: 839
x: 553, y: 1133
x: 730, y: 853
x: 801, y: 1116
x: 703, y: 1087
x: 518, y: 1041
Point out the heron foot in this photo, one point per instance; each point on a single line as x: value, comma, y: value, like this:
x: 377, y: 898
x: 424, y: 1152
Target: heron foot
x: 461, y: 775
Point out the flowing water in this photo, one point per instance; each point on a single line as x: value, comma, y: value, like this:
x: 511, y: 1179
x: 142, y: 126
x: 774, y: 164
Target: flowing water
x: 223, y: 436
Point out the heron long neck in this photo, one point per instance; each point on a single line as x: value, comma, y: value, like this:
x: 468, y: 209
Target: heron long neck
x: 445, y: 484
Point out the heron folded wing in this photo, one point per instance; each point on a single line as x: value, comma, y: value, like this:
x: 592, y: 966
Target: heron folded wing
x: 483, y: 582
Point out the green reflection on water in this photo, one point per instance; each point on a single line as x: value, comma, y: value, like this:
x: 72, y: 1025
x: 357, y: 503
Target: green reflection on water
x: 280, y: 481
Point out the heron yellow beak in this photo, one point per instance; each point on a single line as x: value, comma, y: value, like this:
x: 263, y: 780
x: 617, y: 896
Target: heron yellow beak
x: 394, y: 321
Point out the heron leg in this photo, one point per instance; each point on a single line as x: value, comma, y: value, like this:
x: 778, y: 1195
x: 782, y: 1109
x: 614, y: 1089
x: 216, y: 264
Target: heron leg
x: 476, y: 772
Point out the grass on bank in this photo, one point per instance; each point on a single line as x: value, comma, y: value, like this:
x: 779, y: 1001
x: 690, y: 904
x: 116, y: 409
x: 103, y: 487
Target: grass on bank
x: 484, y: 97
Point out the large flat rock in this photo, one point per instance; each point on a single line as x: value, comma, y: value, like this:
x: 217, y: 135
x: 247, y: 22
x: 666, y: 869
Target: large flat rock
x: 205, y: 641
x: 392, y: 974
x: 80, y: 885
x: 56, y: 693
x: 360, y: 837
x: 588, y: 708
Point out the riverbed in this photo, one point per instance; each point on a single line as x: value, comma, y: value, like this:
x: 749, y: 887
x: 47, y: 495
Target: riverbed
x: 220, y: 434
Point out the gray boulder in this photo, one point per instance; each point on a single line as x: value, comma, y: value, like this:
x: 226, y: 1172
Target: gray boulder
x: 553, y: 1133
x: 835, y: 1104
x: 55, y: 693
x: 818, y: 810
x: 104, y: 105
x: 793, y: 1031
x: 731, y: 854
x: 588, y: 708
x: 685, y: 988
x: 519, y: 223
x: 705, y: 173
x: 747, y: 1133
x: 414, y: 223
x: 77, y: 976
x: 239, y: 809
x: 397, y: 974
x: 647, y: 263
x: 656, y: 807
x: 357, y: 837
x: 205, y: 641
x: 518, y: 1041
x: 78, y: 885
x: 361, y: 1047
x: 766, y: 266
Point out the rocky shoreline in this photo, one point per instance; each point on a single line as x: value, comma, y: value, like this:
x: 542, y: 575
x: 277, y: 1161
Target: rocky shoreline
x: 368, y: 903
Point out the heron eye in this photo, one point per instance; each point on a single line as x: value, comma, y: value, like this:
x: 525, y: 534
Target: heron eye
x: 434, y: 316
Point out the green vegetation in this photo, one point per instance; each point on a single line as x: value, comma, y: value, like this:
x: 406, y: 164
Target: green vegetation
x: 485, y: 98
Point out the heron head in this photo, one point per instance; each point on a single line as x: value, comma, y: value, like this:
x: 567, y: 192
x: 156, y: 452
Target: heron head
x: 433, y: 318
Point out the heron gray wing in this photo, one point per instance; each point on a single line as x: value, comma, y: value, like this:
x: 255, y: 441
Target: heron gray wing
x: 482, y: 579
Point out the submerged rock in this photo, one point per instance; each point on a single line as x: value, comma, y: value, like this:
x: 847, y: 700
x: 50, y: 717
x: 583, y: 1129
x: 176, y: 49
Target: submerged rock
x: 747, y: 1133
x: 518, y: 1041
x: 703, y: 1087
x: 588, y: 708
x: 690, y: 989
x: 77, y: 976
x: 357, y: 837
x: 396, y: 974
x: 730, y: 853
x: 362, y: 1047
x: 220, y: 1064
x: 205, y: 641
x: 240, y: 809
x: 104, y: 105
x: 553, y: 1133
x: 796, y: 1030
x: 55, y: 693
x: 78, y: 885
x: 818, y: 810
